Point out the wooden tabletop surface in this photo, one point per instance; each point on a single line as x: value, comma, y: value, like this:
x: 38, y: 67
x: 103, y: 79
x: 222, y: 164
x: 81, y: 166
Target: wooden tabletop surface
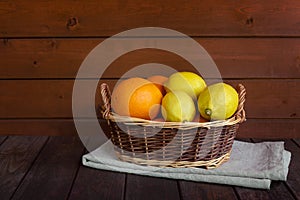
x: 43, y: 167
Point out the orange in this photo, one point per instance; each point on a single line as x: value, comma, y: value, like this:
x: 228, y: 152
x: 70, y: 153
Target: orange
x: 159, y: 81
x: 136, y: 97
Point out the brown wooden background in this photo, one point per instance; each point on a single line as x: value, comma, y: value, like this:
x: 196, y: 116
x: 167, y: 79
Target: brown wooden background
x: 43, y: 43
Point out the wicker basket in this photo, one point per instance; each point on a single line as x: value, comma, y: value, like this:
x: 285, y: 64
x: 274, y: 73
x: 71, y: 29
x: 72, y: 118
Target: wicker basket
x: 172, y: 144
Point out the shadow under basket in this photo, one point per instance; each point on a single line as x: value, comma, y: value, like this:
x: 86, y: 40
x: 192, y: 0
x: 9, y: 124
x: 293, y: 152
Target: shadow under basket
x: 172, y: 144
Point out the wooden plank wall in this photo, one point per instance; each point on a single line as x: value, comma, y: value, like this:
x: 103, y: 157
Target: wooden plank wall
x: 43, y: 43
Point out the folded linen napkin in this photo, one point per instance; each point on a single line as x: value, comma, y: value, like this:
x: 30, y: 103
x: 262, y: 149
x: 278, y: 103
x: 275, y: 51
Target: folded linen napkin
x: 252, y: 165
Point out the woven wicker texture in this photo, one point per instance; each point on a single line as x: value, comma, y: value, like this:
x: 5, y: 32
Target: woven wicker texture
x: 172, y: 144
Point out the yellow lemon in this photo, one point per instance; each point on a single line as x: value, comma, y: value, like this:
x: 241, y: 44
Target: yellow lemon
x: 188, y: 82
x: 178, y: 106
x: 218, y: 101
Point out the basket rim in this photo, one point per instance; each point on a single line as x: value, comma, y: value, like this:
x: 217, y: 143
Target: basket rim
x: 127, y: 120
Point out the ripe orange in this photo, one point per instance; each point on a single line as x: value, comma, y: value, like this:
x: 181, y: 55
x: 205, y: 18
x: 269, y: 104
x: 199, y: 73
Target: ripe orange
x: 159, y: 81
x: 136, y: 97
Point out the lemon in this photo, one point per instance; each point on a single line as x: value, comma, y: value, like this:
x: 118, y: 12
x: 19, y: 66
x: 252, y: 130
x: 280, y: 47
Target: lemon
x: 218, y: 101
x: 178, y: 106
x: 188, y: 82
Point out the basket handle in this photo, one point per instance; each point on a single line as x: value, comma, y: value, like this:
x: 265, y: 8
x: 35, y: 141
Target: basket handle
x: 106, y: 98
x: 242, y: 98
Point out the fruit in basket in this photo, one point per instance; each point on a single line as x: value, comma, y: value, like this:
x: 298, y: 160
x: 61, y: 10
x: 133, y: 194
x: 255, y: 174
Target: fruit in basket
x: 159, y: 81
x: 188, y: 82
x: 218, y: 101
x: 136, y: 97
x: 178, y: 106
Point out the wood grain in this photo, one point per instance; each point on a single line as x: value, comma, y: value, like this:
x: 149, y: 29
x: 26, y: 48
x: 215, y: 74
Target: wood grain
x: 54, y: 170
x: 293, y: 180
x: 235, y: 58
x: 143, y: 187
x: 297, y: 140
x: 252, y: 128
x: 52, y: 127
x: 101, y: 184
x: 194, y: 190
x: 270, y: 128
x: 58, y: 157
x: 278, y: 191
x: 16, y: 156
x: 53, y: 98
x: 204, y: 18
x: 37, y: 127
x: 43, y: 44
x: 2, y: 139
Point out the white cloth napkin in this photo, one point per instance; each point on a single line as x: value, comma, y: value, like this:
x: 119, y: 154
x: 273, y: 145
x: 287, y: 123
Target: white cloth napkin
x: 252, y: 165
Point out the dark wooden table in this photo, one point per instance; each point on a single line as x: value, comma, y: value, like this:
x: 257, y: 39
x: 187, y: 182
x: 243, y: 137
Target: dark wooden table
x: 42, y: 167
